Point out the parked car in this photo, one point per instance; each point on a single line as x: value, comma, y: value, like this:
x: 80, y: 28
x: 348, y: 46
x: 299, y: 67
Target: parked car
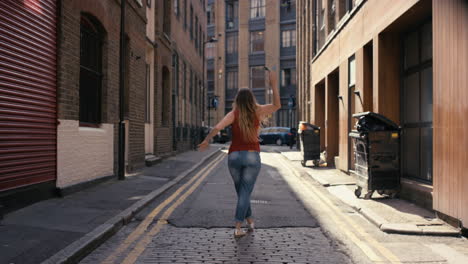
x: 278, y: 136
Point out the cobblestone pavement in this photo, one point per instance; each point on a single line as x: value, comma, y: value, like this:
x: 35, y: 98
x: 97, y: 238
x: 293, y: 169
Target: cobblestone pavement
x: 277, y: 245
x: 201, y: 230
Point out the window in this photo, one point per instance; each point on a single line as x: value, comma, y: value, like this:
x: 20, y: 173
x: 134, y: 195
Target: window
x: 176, y: 8
x: 232, y: 12
x: 91, y: 39
x: 288, y: 38
x: 196, y: 32
x: 166, y: 99
x: 148, y: 3
x: 289, y: 5
x: 231, y: 83
x: 257, y: 77
x: 231, y: 78
x: 288, y: 77
x: 185, y: 14
x: 167, y: 17
x: 257, y: 8
x: 210, y: 79
x: 185, y: 80
x: 231, y: 44
x: 210, y: 50
x: 257, y: 41
x: 350, y: 4
x: 191, y: 86
x: 210, y: 14
x: 191, y: 22
x: 352, y: 71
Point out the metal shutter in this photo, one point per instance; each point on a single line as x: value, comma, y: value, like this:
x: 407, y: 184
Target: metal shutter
x: 28, y: 88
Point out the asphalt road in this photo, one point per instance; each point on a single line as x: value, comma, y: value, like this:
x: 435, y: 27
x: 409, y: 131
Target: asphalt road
x: 193, y: 223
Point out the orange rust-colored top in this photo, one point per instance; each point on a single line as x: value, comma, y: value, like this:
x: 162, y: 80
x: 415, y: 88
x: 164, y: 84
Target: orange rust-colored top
x: 239, y: 141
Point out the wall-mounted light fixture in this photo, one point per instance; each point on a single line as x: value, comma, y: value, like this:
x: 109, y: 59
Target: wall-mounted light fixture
x: 340, y: 97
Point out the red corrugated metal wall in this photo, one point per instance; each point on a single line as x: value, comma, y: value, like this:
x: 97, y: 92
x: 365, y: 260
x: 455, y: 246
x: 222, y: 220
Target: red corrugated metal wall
x: 28, y: 88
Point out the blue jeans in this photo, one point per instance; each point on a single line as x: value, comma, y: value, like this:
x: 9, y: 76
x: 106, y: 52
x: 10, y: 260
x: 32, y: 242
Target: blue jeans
x: 244, y: 167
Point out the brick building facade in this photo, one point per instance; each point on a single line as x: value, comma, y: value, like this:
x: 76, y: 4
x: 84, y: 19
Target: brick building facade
x: 88, y: 89
x: 179, y: 33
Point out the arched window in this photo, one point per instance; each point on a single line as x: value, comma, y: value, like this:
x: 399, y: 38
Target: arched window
x: 91, y: 41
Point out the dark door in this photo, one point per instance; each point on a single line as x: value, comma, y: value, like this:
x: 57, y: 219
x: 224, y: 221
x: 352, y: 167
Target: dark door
x: 28, y: 121
x: 416, y: 112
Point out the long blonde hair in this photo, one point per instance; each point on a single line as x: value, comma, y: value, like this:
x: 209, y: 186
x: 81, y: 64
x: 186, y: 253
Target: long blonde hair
x: 246, y: 104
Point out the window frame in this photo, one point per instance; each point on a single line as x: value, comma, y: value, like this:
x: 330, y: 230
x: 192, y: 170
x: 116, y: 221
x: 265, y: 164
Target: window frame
x: 259, y: 8
x: 251, y: 42
x: 91, y: 27
x: 261, y: 69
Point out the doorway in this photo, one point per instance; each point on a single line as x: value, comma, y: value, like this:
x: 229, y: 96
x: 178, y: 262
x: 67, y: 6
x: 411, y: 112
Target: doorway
x: 332, y: 118
x: 416, y: 106
x: 320, y: 112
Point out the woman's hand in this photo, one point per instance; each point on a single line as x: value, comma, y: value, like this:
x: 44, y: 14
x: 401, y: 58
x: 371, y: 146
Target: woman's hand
x: 203, y: 146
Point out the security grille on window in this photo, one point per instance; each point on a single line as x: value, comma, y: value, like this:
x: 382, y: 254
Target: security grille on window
x: 257, y: 8
x: 257, y: 77
x: 288, y: 38
x: 231, y: 44
x: 257, y: 41
x: 91, y: 39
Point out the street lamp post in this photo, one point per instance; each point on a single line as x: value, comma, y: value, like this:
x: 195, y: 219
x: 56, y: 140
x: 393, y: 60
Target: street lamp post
x: 211, y: 40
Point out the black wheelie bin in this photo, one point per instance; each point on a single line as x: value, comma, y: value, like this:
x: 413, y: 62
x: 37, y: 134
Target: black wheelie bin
x: 309, y: 143
x: 377, y: 155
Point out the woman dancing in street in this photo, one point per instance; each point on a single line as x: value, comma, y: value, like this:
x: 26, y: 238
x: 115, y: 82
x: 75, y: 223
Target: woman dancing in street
x: 244, y: 153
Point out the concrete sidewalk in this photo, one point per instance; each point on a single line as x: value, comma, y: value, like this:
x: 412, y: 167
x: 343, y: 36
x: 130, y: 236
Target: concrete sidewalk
x: 62, y: 230
x: 390, y: 215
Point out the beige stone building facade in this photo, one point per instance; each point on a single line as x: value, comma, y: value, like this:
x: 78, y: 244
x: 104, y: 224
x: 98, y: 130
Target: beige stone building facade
x: 406, y: 60
x: 249, y: 35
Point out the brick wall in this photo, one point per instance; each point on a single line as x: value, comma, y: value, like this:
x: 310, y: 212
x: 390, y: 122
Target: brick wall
x: 107, y: 12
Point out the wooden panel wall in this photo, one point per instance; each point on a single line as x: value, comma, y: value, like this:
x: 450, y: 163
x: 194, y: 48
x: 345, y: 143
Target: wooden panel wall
x: 450, y: 50
x: 332, y: 117
x: 386, y: 89
x: 343, y: 116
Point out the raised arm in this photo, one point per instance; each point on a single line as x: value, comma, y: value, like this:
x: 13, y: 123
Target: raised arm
x: 226, y: 121
x: 267, y: 109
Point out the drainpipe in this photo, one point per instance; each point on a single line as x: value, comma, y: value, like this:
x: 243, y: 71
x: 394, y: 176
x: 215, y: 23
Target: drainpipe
x: 121, y: 165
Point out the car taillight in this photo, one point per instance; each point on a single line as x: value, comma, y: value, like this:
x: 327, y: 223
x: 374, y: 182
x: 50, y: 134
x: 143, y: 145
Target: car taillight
x: 290, y: 134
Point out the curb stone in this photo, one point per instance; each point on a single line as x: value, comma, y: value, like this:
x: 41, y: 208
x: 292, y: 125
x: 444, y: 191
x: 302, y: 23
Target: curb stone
x: 81, y: 247
x: 385, y: 226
